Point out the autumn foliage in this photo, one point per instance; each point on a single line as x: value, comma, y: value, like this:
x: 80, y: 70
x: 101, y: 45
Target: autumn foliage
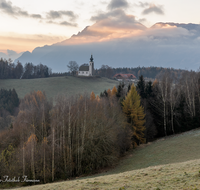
x: 135, y: 115
x: 77, y: 135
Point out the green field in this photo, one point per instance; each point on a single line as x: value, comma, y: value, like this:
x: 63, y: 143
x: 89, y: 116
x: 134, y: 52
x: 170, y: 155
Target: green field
x: 58, y: 85
x: 168, y: 163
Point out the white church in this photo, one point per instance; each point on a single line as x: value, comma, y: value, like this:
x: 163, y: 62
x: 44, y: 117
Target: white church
x: 87, y: 69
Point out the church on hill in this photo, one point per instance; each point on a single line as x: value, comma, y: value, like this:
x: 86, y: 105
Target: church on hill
x: 87, y: 69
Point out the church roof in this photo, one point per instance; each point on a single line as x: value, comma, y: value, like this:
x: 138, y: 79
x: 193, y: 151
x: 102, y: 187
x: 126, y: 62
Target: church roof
x: 84, y: 67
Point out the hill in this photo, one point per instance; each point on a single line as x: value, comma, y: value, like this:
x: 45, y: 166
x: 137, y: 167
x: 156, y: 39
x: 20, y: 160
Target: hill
x: 168, y: 163
x: 58, y: 85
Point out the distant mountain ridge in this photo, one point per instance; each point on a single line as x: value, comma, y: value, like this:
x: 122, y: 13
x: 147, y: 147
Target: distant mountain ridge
x: 164, y: 44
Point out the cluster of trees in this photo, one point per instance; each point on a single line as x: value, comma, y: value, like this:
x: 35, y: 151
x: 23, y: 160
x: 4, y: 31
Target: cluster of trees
x: 9, y: 103
x: 77, y: 135
x: 9, y: 70
x: 82, y: 134
x: 175, y: 104
x: 147, y: 72
x: 35, y: 71
x: 134, y: 104
x: 171, y: 105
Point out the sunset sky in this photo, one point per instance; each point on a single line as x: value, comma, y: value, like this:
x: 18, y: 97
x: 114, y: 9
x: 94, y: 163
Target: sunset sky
x: 27, y: 24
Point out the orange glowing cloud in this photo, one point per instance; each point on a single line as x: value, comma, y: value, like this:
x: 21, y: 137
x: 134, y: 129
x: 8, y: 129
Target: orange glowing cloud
x: 163, y: 25
x: 107, y: 29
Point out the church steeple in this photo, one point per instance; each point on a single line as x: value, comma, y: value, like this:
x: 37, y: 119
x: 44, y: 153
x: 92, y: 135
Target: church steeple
x: 91, y: 59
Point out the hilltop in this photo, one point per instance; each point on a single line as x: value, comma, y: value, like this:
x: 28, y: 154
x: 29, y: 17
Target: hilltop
x: 58, y: 85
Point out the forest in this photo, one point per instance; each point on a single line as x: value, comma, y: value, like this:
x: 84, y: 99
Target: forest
x: 146, y: 72
x: 83, y: 134
x: 10, y: 70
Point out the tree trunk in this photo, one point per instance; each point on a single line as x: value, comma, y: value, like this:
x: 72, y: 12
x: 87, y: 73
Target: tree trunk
x: 53, y: 149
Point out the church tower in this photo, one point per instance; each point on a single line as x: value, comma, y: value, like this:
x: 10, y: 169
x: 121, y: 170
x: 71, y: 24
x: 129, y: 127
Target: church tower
x: 91, y: 66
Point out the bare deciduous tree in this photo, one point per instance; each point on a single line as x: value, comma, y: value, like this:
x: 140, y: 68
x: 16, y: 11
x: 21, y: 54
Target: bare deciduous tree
x: 73, y: 67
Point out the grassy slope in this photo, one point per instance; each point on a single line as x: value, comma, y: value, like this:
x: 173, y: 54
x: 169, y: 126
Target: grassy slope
x: 54, y: 85
x: 171, y: 163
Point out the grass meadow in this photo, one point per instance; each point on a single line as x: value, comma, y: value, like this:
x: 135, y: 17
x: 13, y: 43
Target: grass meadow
x: 168, y: 163
x: 58, y: 85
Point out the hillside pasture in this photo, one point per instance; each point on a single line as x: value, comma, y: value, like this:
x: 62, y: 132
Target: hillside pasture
x: 173, y: 149
x: 58, y: 85
x: 168, y: 163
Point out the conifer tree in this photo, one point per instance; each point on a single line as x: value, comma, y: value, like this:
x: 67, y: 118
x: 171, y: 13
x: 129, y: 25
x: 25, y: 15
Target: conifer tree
x: 114, y: 91
x: 92, y: 96
x: 97, y: 98
x: 135, y: 115
x: 109, y: 92
x: 141, y: 87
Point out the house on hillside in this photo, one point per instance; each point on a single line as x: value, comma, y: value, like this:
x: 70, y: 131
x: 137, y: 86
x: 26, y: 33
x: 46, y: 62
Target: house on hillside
x: 127, y: 77
x: 87, y: 69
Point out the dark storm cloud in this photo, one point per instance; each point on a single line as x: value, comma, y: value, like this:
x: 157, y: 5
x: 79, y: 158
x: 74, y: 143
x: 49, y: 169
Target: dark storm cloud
x: 154, y: 9
x: 8, y: 8
x: 59, y: 14
x: 115, y: 4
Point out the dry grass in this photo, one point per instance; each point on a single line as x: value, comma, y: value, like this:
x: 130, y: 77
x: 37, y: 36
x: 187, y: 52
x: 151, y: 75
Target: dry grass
x: 171, y: 163
x: 58, y: 85
x: 183, y: 176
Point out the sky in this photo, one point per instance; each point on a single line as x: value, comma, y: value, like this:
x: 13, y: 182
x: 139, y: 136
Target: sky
x: 27, y: 24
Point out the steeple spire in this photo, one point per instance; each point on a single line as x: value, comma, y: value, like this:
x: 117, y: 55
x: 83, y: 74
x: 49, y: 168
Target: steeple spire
x: 91, y: 59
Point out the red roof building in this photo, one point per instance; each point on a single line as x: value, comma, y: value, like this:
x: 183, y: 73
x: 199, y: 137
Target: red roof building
x: 124, y: 76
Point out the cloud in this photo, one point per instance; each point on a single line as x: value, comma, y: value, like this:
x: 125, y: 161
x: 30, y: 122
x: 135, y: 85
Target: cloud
x: 153, y: 9
x: 59, y: 14
x: 142, y: 20
x: 115, y: 4
x: 63, y: 23
x: 118, y: 13
x: 142, y: 4
x: 117, y: 19
x: 8, y: 8
x: 115, y: 24
x: 36, y: 16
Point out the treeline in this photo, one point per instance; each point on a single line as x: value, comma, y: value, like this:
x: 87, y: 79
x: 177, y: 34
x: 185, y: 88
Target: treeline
x: 147, y: 72
x: 9, y: 70
x: 9, y: 103
x: 76, y: 136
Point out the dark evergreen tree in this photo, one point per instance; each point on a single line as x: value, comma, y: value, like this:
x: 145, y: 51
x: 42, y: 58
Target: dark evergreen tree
x: 141, y: 87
